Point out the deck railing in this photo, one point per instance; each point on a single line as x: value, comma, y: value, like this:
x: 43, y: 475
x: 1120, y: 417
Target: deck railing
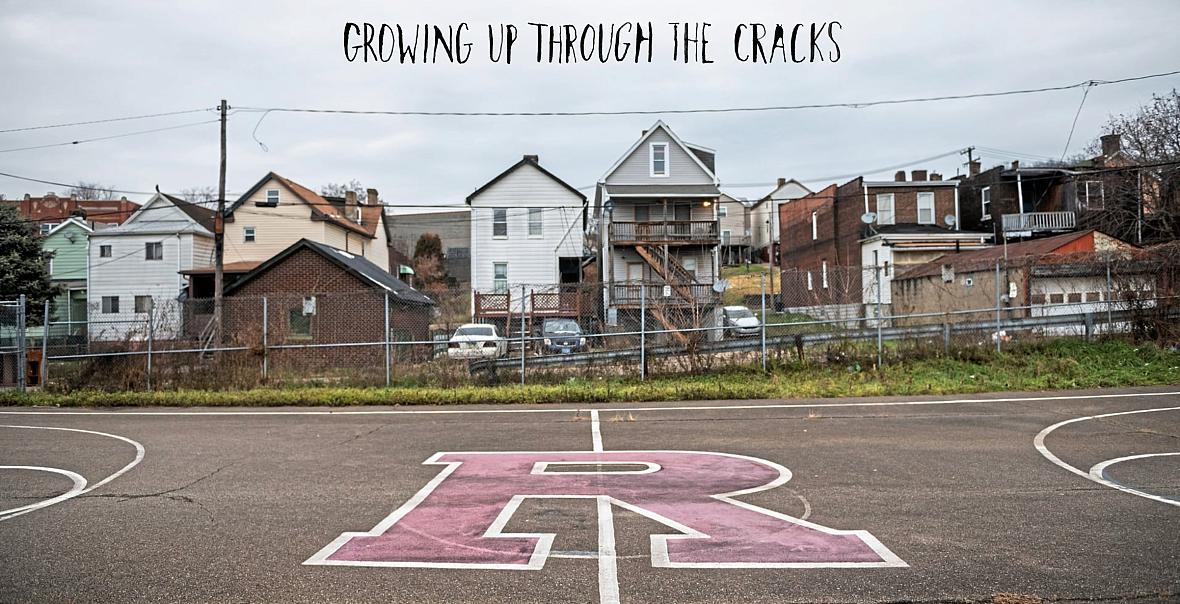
x: 630, y: 294
x: 680, y: 231
x: 1040, y: 221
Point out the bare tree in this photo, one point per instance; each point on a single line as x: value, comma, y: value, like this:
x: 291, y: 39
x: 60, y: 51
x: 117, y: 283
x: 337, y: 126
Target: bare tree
x: 337, y: 190
x: 1145, y: 195
x: 201, y: 195
x: 84, y: 189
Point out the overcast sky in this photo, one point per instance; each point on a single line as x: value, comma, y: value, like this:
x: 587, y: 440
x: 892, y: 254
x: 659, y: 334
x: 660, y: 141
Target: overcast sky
x: 75, y: 61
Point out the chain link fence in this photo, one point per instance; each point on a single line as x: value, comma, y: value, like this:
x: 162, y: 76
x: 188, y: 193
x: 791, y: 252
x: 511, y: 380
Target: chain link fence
x: 554, y: 333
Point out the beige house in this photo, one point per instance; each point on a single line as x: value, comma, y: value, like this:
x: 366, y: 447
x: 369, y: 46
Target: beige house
x: 277, y: 212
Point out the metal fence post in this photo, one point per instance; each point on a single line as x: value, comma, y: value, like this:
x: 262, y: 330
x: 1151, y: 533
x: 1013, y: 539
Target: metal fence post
x: 642, y: 331
x: 45, y: 349
x: 22, y: 360
x: 763, y: 297
x: 151, y: 333
x: 997, y: 307
x: 1109, y: 293
x: 522, y: 341
x: 880, y: 317
x: 386, y: 338
x: 946, y: 336
x: 265, y: 368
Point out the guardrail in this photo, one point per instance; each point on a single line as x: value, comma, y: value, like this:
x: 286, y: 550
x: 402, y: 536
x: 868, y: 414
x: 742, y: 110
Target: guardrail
x: 1040, y: 221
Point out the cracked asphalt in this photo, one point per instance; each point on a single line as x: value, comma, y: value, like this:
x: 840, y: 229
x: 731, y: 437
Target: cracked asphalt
x: 226, y: 507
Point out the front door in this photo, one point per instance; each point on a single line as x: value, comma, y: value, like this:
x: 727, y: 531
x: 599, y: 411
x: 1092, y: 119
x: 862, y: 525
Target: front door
x: 635, y: 271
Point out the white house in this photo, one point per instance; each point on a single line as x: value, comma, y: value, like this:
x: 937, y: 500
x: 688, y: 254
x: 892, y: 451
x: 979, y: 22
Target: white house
x: 764, y: 216
x: 138, y: 263
x: 526, y: 230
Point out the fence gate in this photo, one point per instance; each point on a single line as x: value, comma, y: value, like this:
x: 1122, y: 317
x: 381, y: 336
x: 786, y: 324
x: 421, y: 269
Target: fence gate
x: 13, y: 364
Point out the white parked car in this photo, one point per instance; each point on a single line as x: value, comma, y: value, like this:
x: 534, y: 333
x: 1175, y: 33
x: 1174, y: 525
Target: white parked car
x: 741, y: 322
x: 476, y: 341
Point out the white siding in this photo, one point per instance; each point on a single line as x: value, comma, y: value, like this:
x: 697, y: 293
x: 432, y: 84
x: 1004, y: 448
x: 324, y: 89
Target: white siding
x: 636, y: 169
x: 627, y: 255
x: 532, y: 260
x: 127, y: 274
x: 275, y: 228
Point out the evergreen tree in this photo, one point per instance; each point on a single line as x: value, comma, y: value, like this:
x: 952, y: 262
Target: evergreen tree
x: 24, y: 269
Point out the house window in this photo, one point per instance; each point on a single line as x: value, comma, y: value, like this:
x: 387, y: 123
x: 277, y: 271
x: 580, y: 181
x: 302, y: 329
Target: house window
x: 143, y: 304
x: 682, y: 212
x: 500, y: 277
x: 272, y: 197
x: 825, y: 274
x: 722, y: 211
x: 153, y: 250
x: 725, y: 236
x: 110, y: 305
x: 925, y: 208
x: 249, y: 235
x: 1037, y: 299
x: 814, y: 226
x: 45, y: 228
x: 884, y: 208
x: 500, y: 223
x: 1093, y: 297
x: 659, y: 159
x: 642, y: 213
x: 809, y: 284
x: 1056, y: 298
x: 104, y: 251
x: 986, y: 199
x: 1075, y: 298
x: 535, y: 222
x: 299, y: 324
x: 1090, y: 195
x: 690, y: 265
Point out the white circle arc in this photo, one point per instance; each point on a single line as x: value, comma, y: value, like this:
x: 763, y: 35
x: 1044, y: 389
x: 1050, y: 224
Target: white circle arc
x: 79, y: 484
x: 74, y: 492
x: 1039, y: 443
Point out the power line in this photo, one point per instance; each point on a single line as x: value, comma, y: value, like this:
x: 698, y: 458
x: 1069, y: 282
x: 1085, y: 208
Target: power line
x: 105, y: 121
x: 849, y: 105
x: 104, y: 138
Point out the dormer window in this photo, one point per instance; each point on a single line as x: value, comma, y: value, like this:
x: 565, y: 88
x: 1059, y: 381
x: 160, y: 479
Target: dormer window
x: 659, y: 159
x: 272, y: 197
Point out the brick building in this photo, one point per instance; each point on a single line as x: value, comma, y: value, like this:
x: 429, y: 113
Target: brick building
x: 835, y: 241
x: 51, y: 210
x: 317, y: 294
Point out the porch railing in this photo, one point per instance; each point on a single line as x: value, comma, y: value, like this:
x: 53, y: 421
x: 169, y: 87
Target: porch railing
x: 630, y: 294
x: 680, y: 231
x: 1040, y: 221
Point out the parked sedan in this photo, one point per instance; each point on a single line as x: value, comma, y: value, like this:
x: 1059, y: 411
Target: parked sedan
x: 476, y: 341
x: 562, y: 336
x: 741, y: 322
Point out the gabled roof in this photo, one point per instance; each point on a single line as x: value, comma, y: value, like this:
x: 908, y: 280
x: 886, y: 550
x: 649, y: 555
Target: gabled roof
x: 328, y: 209
x: 200, y: 214
x: 71, y: 220
x: 777, y: 187
x: 528, y: 160
x: 646, y: 135
x: 353, y: 264
x: 197, y: 220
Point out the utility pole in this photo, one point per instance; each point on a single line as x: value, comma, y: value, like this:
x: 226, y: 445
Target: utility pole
x: 219, y: 236
x: 970, y: 153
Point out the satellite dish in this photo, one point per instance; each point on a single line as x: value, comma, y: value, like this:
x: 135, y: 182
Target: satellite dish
x: 949, y: 219
x: 869, y: 217
x: 720, y: 286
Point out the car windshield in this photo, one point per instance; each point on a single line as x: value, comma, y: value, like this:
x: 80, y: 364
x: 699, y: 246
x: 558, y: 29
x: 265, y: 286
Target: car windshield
x: 740, y: 313
x: 563, y: 326
x: 475, y: 330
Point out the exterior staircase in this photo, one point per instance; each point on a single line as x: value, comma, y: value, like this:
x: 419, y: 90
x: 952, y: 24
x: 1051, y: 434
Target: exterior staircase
x: 675, y: 275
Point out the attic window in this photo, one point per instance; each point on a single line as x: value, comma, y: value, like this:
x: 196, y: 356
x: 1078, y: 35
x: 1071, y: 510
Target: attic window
x: 659, y: 159
x: 272, y: 199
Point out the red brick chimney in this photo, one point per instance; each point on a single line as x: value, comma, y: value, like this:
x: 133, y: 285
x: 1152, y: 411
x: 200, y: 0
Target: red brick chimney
x: 351, y: 210
x: 899, y: 177
x: 536, y: 159
x: 973, y: 168
x: 781, y: 182
x: 919, y: 175
x: 935, y: 176
x: 1111, y: 143
x: 1016, y: 164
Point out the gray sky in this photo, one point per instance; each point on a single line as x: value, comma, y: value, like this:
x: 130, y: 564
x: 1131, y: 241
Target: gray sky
x: 74, y: 61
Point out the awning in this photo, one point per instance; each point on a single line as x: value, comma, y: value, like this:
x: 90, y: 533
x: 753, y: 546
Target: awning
x: 404, y: 270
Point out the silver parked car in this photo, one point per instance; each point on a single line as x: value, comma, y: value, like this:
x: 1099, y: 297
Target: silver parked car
x: 740, y: 321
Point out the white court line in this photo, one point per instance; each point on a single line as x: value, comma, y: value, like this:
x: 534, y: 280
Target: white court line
x: 608, y: 565
x: 79, y: 484
x: 139, y: 452
x: 595, y: 431
x: 649, y: 408
x: 1039, y: 443
x: 1099, y: 471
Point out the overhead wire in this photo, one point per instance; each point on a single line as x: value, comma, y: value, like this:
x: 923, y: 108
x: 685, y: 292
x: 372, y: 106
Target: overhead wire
x: 105, y: 121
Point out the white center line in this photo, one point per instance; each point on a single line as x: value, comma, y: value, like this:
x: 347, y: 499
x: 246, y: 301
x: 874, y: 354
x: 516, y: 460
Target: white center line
x: 608, y: 567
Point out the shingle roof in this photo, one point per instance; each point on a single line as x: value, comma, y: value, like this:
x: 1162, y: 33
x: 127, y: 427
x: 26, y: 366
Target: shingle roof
x: 321, y: 208
x: 202, y: 215
x: 358, y: 266
x: 981, y: 259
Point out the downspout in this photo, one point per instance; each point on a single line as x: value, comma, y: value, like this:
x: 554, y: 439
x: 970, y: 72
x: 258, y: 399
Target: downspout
x: 87, y: 293
x: 958, y: 225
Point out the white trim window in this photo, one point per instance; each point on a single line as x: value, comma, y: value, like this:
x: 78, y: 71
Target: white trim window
x: 825, y: 274
x: 722, y: 211
x: 659, y: 160
x: 104, y: 251
x: 153, y: 250
x: 500, y: 277
x: 1091, y: 195
x: 810, y: 285
x: 884, y: 208
x: 499, y: 223
x: 110, y: 305
x: 249, y: 234
x: 985, y: 200
x: 690, y: 265
x: 814, y: 226
x: 272, y: 197
x: 726, y: 236
x: 925, y: 207
x: 536, y: 222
